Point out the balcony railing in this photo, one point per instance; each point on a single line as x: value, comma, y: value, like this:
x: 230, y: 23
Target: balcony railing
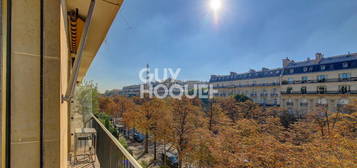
x: 319, y: 92
x: 289, y: 103
x: 274, y: 94
x: 264, y: 94
x: 248, y: 85
x: 304, y: 104
x: 110, y: 153
x: 285, y: 82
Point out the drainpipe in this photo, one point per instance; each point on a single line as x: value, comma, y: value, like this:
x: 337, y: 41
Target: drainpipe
x: 77, y: 62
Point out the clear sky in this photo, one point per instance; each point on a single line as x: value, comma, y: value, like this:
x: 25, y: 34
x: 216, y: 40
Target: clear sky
x: 243, y: 35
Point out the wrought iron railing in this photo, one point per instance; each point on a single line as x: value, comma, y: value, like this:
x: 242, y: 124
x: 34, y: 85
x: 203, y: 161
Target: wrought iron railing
x: 248, y: 85
x: 286, y: 82
x: 320, y: 92
x: 289, y: 103
x: 274, y: 94
x: 110, y: 153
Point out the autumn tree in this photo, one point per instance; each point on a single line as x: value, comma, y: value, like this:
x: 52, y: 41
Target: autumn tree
x: 245, y: 145
x: 215, y: 116
x: 148, y: 118
x: 229, y: 106
x: 107, y: 105
x: 250, y: 110
x: 124, y: 104
x: 184, y: 122
x: 201, y: 145
x: 241, y: 98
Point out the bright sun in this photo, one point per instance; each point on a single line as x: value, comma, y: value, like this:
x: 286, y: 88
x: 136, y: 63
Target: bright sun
x: 215, y: 5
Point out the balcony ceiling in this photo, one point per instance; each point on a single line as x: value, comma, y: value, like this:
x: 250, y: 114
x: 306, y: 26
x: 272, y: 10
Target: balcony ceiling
x: 103, y: 16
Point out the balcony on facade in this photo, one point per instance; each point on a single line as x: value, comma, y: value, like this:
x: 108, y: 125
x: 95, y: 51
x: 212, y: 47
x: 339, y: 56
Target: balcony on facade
x: 264, y: 94
x: 321, y: 105
x: 351, y: 79
x: 304, y: 104
x: 248, y: 85
x: 319, y: 92
x: 109, y: 152
x: 289, y: 103
x: 274, y: 94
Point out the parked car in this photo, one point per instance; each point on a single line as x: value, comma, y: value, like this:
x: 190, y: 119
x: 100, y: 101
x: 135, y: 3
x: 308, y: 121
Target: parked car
x: 129, y: 133
x: 138, y: 137
x: 171, y: 159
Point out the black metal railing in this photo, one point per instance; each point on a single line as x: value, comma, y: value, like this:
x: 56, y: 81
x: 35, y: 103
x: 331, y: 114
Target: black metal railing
x: 319, y: 92
x: 264, y: 94
x: 285, y: 82
x: 248, y: 85
x: 304, y: 104
x: 110, y: 153
x: 289, y: 103
x: 274, y: 94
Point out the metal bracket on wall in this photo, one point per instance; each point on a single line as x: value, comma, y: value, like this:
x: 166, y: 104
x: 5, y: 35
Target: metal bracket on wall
x: 77, y: 62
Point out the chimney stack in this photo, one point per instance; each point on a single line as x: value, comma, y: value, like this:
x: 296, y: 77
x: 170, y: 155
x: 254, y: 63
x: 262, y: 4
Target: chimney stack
x: 233, y: 73
x: 318, y: 57
x: 287, y: 61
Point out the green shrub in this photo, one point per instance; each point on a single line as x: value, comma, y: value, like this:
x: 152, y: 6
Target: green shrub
x: 123, y: 142
x: 144, y: 164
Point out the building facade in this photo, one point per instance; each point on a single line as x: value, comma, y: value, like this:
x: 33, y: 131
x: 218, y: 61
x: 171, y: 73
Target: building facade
x: 297, y: 86
x: 134, y: 90
x: 130, y: 91
x: 46, y: 48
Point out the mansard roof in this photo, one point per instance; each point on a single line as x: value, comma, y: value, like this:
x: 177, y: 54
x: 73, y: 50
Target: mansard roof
x: 248, y: 75
x: 307, y: 66
x: 327, y: 60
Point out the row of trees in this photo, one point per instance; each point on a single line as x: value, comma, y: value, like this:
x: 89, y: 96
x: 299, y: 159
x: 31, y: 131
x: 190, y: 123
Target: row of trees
x: 239, y: 133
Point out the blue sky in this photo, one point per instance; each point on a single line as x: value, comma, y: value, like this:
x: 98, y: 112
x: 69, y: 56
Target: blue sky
x: 247, y: 34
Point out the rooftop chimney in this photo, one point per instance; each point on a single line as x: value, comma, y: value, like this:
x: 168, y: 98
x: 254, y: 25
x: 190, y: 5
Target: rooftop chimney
x: 318, y: 57
x: 233, y: 73
x: 287, y: 61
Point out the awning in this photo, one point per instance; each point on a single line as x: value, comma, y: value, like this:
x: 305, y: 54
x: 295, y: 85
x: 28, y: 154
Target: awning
x: 103, y: 16
x: 88, y: 25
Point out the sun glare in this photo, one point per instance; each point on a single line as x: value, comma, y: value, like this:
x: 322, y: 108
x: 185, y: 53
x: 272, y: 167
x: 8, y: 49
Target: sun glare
x: 215, y: 5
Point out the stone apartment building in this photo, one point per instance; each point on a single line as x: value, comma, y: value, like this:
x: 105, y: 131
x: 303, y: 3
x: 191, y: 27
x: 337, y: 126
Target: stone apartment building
x: 46, y: 49
x: 134, y: 90
x: 131, y: 90
x: 297, y: 86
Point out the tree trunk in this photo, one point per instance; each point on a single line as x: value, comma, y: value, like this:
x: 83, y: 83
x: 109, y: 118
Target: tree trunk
x: 146, y: 142
x: 164, y: 158
x: 155, y: 149
x: 179, y: 160
x: 210, y: 118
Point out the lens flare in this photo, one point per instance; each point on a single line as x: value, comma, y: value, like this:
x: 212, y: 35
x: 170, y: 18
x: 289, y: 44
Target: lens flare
x: 215, y: 5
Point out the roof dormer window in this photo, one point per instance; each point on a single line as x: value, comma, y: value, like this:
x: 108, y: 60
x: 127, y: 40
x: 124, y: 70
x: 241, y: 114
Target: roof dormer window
x: 323, y: 67
x: 305, y: 69
x: 345, y: 64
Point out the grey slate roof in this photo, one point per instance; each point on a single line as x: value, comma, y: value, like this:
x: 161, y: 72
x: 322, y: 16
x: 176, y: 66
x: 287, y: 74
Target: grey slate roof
x: 327, y: 60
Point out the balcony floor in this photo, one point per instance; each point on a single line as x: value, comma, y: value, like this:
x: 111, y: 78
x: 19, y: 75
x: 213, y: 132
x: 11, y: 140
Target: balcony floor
x: 84, y: 162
